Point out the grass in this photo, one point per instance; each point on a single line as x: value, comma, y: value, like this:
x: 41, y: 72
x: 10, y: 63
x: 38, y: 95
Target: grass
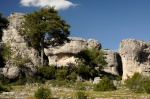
x: 64, y: 92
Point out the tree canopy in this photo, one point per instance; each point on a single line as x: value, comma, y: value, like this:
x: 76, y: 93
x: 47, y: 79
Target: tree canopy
x: 44, y: 22
x: 3, y: 25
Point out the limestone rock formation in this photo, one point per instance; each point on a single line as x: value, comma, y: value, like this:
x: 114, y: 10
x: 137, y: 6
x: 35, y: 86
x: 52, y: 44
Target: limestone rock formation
x: 10, y: 70
x: 135, y: 56
x: 16, y: 42
x: 114, y: 66
x: 18, y: 47
x: 96, y: 80
x: 64, y: 55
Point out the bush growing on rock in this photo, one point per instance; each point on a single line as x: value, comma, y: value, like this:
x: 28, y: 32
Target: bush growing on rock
x: 104, y: 85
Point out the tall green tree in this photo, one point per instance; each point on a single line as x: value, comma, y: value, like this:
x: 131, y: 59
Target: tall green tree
x: 90, y: 62
x: 44, y: 23
x: 3, y: 25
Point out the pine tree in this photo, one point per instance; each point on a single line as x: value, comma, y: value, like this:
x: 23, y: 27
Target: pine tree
x: 41, y: 23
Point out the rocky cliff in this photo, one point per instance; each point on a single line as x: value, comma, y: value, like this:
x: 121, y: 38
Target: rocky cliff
x: 114, y: 66
x: 16, y: 42
x: 135, y: 56
x: 18, y: 47
x: 64, y: 55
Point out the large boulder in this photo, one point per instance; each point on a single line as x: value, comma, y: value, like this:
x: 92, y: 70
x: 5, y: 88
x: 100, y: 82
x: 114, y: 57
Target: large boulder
x: 135, y: 56
x: 64, y: 55
x: 114, y: 64
x: 17, y: 43
x: 10, y: 70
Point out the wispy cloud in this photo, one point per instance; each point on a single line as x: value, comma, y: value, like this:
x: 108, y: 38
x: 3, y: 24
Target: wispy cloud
x: 58, y: 4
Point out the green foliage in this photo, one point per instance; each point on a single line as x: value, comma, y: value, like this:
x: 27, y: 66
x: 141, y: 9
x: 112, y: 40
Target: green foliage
x: 41, y: 22
x: 81, y: 95
x: 61, y: 74
x: 48, y: 72
x: 3, y: 25
x: 6, y: 53
x: 72, y: 76
x: 4, y: 88
x: 80, y: 86
x: 21, y: 61
x: 90, y: 61
x: 42, y: 93
x: 138, y: 83
x: 119, y: 78
x: 104, y: 85
x: 83, y: 70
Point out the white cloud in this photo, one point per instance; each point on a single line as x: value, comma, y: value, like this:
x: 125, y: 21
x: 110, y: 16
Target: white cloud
x: 58, y: 4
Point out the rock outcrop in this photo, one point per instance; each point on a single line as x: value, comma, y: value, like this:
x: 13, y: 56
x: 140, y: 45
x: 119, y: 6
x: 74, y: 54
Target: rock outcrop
x: 18, y: 47
x: 135, y: 56
x: 16, y: 42
x: 64, y: 55
x: 114, y: 66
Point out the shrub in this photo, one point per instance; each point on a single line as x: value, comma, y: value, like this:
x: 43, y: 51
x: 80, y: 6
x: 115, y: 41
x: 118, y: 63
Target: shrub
x: 48, y: 72
x: 81, y: 95
x: 104, y: 85
x: 80, y: 86
x: 42, y: 93
x: 4, y: 88
x: 72, y: 76
x: 138, y: 83
x: 61, y: 74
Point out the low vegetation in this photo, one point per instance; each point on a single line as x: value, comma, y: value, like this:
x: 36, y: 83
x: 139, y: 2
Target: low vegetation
x: 81, y: 95
x: 104, y: 85
x: 138, y: 83
x: 42, y: 93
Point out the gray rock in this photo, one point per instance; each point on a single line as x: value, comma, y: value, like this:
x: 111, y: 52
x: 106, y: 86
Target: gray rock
x: 10, y: 71
x: 114, y: 65
x: 64, y: 55
x: 135, y: 56
x: 17, y: 43
x: 96, y: 80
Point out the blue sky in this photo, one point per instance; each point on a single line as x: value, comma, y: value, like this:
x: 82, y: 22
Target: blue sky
x: 108, y: 21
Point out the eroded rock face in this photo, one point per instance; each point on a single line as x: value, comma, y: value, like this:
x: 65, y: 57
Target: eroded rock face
x: 64, y: 55
x: 135, y: 56
x: 114, y: 66
x: 18, y: 47
x: 16, y: 42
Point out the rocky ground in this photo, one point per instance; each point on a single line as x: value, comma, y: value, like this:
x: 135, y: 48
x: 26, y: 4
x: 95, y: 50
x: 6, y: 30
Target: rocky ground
x: 27, y: 92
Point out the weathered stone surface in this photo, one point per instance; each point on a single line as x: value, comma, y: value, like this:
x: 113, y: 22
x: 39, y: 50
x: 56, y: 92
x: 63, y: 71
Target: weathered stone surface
x: 135, y: 56
x: 114, y: 65
x: 96, y: 80
x: 16, y: 42
x: 10, y: 70
x: 64, y: 55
